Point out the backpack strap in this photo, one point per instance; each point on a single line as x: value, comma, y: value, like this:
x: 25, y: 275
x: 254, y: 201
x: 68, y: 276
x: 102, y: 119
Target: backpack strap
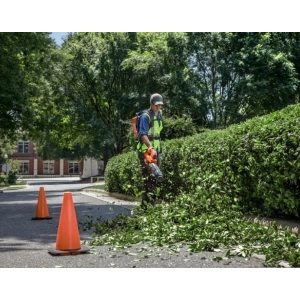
x: 151, y: 124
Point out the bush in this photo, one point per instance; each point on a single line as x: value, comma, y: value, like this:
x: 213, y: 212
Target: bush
x: 256, y: 164
x: 2, y: 178
x: 12, y: 177
x: 123, y: 174
x: 177, y: 127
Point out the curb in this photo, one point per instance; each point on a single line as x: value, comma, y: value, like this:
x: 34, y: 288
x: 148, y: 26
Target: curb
x: 116, y: 199
x: 114, y: 195
x: 2, y: 189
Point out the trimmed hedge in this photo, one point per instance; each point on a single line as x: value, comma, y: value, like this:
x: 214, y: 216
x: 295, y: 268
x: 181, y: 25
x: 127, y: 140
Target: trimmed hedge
x: 255, y: 163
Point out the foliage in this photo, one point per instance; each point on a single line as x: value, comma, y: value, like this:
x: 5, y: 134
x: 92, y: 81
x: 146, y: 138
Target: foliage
x: 2, y: 178
x: 255, y: 163
x: 11, y: 176
x: 24, y: 61
x: 177, y: 127
x: 212, y: 180
x: 264, y: 159
x: 79, y: 98
x: 123, y: 174
x: 89, y: 89
x: 93, y: 93
x: 159, y: 64
x: 270, y: 79
x: 242, y: 75
x: 203, y: 225
x: 8, y: 147
x: 14, y: 171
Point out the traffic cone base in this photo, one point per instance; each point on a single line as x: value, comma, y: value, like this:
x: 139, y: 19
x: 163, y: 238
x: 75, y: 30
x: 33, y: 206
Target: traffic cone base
x: 68, y: 239
x: 42, y: 211
x: 54, y: 252
x: 41, y: 218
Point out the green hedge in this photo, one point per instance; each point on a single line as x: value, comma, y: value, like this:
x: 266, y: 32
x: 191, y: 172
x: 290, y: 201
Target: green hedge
x: 255, y: 163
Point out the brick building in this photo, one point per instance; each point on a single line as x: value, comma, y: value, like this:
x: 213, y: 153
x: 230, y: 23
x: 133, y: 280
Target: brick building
x: 32, y: 165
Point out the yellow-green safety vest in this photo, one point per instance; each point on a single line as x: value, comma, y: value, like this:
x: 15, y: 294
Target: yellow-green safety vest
x: 153, y: 135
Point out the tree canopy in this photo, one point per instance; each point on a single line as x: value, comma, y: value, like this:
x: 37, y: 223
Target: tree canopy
x: 78, y: 99
x: 24, y: 66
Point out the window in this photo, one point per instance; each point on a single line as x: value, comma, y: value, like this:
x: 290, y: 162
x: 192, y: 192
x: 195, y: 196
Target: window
x: 73, y: 167
x: 48, y: 167
x: 23, y: 147
x: 24, y: 167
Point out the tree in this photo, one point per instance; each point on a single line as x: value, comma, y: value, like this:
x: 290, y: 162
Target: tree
x: 99, y: 80
x: 160, y: 64
x: 242, y: 74
x: 269, y: 80
x: 92, y: 93
x: 24, y: 60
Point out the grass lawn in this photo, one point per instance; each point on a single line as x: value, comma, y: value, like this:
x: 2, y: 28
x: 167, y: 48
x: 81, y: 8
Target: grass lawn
x: 17, y: 186
x: 97, y: 187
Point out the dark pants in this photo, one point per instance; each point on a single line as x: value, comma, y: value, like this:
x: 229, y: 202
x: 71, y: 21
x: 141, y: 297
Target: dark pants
x: 149, y: 181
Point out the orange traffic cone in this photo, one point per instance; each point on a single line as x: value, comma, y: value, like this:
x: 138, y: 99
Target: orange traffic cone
x: 42, y: 211
x: 68, y: 239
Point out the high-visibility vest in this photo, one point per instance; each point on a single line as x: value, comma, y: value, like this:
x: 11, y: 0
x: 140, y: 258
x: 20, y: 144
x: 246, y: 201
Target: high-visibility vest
x: 153, y: 133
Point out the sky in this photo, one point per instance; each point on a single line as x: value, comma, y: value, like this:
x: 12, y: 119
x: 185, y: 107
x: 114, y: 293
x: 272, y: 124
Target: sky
x: 58, y: 37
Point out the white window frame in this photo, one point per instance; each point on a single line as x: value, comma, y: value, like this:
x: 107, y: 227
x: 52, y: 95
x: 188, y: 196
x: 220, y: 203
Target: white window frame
x: 21, y: 169
x: 23, y: 145
x: 48, y: 170
x: 72, y: 164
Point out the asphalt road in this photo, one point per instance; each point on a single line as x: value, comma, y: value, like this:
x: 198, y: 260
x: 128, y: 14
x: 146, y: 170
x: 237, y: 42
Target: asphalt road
x: 25, y: 243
